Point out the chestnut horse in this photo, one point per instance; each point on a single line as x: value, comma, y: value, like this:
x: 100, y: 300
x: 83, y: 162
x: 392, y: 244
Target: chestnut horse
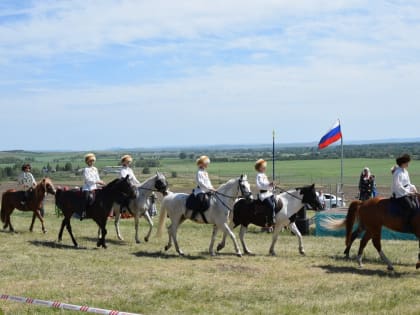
x: 70, y: 201
x: 12, y: 200
x: 372, y: 215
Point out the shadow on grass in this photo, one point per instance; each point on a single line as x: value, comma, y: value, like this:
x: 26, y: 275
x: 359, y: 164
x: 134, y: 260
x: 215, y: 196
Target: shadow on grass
x: 54, y: 244
x: 163, y: 255
x: 373, y: 261
x: 108, y: 241
x: 361, y: 271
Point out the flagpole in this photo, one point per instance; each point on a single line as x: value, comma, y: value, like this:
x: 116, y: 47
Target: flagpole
x: 274, y: 155
x: 342, y: 166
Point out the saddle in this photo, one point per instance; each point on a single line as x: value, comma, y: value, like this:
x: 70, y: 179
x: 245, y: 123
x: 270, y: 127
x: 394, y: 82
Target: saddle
x: 405, y: 208
x: 198, y: 204
x: 261, y: 209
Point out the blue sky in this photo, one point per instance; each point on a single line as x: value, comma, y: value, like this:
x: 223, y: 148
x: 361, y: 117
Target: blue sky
x: 98, y: 74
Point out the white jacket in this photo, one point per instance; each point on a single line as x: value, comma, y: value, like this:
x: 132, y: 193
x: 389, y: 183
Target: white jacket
x: 401, y: 184
x: 91, y: 177
x: 264, y: 184
x: 125, y: 170
x: 203, y: 182
x: 26, y: 181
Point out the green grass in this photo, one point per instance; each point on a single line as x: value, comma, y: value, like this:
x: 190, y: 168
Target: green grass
x: 142, y: 278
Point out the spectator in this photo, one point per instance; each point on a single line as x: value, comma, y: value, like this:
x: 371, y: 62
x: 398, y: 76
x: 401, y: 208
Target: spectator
x: 366, y: 183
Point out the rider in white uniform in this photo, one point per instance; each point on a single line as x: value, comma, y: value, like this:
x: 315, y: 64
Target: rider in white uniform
x: 26, y: 182
x: 126, y: 160
x: 402, y: 189
x: 91, y: 181
x: 202, y: 177
x: 265, y: 189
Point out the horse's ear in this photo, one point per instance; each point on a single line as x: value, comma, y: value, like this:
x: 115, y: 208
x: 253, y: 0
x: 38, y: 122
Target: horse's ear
x: 242, y: 176
x: 127, y: 177
x: 44, y: 179
x: 313, y: 185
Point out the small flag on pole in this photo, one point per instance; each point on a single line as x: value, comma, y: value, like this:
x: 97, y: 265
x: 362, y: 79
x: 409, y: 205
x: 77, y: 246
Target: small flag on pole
x: 333, y: 135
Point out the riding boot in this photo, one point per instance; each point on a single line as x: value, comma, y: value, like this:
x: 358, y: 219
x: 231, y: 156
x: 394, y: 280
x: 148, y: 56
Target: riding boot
x: 85, y: 205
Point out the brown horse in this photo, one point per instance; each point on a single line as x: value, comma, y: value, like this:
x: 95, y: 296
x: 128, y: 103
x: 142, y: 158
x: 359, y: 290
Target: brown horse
x: 12, y: 200
x: 372, y: 215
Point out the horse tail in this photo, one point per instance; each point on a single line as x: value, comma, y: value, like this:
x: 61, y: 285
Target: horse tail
x: 162, y: 217
x: 348, y: 222
x: 3, y: 208
x: 352, y: 216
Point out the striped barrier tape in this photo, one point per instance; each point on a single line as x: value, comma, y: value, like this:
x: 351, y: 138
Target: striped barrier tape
x: 60, y: 305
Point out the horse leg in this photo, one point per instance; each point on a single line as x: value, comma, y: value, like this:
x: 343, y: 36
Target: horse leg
x: 169, y: 245
x: 275, y: 238
x: 418, y: 261
x: 377, y: 243
x: 31, y: 228
x: 363, y: 244
x: 296, y: 231
x: 150, y: 221
x: 117, y: 216
x: 222, y: 244
x: 9, y: 223
x: 60, y: 233
x: 225, y: 228
x: 69, y: 229
x: 37, y: 213
x: 136, y: 226
x: 354, y: 235
x: 242, y: 233
x: 213, y: 239
x: 173, y: 229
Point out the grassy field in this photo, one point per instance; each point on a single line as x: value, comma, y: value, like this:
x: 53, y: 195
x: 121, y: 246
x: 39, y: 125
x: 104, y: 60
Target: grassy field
x: 141, y: 278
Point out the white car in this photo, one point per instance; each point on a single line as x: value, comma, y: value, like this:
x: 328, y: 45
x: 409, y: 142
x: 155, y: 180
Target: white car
x: 332, y: 201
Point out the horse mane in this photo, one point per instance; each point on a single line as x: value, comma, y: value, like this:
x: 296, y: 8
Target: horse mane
x: 229, y: 182
x: 147, y: 181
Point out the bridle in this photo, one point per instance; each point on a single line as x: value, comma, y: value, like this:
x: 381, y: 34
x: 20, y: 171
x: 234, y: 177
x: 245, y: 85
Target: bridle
x: 241, y: 189
x: 302, y: 200
x: 163, y: 187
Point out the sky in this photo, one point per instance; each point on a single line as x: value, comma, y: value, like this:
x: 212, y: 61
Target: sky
x: 98, y: 74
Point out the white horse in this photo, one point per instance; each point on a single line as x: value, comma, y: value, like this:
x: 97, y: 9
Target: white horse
x: 293, y: 201
x: 222, y: 201
x: 139, y: 206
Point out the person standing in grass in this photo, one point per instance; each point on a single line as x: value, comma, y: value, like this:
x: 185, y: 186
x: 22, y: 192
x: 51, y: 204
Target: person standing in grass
x: 91, y: 182
x: 126, y: 161
x: 366, y: 184
x: 266, y: 190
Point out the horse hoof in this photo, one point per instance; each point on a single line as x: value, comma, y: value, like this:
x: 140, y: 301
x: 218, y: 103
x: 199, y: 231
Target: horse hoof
x: 239, y: 255
x: 167, y: 248
x: 213, y: 254
x: 390, y: 268
x: 249, y: 253
x: 220, y: 247
x: 146, y: 239
x: 273, y: 253
x: 31, y: 230
x: 181, y: 254
x: 302, y: 252
x: 418, y: 265
x: 137, y: 242
x: 44, y: 231
x: 347, y: 256
x: 104, y: 246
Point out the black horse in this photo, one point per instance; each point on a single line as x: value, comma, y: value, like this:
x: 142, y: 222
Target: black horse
x: 70, y: 201
x: 289, y: 203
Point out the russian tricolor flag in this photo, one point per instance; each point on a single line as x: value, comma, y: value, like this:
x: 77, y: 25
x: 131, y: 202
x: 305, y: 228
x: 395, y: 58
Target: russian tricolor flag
x: 333, y: 135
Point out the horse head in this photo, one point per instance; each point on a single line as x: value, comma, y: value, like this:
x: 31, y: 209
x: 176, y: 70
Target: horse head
x: 244, y: 187
x: 48, y: 186
x: 161, y: 184
x: 310, y: 197
x: 125, y: 187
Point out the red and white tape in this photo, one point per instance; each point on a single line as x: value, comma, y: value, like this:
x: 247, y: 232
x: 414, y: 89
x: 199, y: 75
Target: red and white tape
x: 64, y: 306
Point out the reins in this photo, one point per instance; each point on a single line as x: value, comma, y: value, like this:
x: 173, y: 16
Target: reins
x: 288, y: 193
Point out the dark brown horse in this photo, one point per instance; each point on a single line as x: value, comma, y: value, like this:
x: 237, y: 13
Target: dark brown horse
x: 70, y: 201
x: 372, y: 215
x: 13, y: 199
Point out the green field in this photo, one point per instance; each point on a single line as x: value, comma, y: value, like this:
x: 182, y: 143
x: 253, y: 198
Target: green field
x: 325, y: 173
x: 141, y: 278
